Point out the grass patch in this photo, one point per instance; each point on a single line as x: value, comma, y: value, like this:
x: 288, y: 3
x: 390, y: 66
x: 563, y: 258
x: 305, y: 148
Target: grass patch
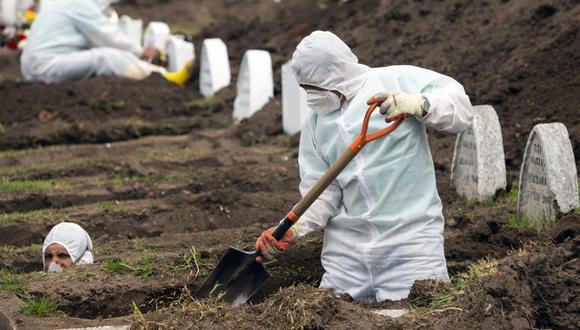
x: 511, y: 197
x: 460, y: 285
x: 516, y: 220
x: 202, y: 103
x: 143, y: 267
x: 192, y: 261
x: 39, y: 306
x: 26, y: 216
x: 9, y: 282
x: 11, y: 186
x: 269, y: 149
x: 119, y: 180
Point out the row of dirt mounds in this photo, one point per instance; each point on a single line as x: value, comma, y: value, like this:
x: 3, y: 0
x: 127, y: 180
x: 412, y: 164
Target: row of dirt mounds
x: 164, y: 181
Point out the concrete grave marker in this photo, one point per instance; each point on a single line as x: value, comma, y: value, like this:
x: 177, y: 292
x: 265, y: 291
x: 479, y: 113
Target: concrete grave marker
x: 478, y: 167
x: 156, y: 35
x: 8, y: 12
x: 214, y: 68
x: 548, y: 177
x: 179, y: 52
x: 294, y: 107
x: 132, y: 28
x: 255, y: 84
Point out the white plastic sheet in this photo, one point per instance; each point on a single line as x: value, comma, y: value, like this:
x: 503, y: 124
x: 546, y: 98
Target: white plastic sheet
x: 214, y: 68
x: 255, y: 84
x: 132, y: 28
x: 156, y: 35
x: 294, y: 107
x: 179, y: 52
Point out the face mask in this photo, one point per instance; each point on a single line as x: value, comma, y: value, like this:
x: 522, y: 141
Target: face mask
x: 322, y: 102
x: 54, y: 268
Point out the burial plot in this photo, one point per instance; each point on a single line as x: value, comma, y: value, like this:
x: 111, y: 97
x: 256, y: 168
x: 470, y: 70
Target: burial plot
x: 548, y: 177
x: 294, y: 107
x: 478, y: 167
x: 179, y: 52
x: 8, y: 14
x: 255, y: 84
x: 156, y: 35
x: 214, y: 67
x: 132, y: 28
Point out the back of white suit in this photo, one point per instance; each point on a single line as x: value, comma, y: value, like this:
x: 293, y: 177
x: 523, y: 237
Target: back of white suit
x: 74, y: 39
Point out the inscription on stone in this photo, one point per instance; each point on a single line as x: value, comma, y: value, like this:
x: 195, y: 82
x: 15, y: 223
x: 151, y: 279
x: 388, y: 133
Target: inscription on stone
x: 548, y: 177
x: 478, y: 167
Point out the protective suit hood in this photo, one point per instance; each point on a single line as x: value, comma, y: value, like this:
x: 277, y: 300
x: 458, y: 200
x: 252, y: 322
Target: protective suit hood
x: 105, y: 4
x: 74, y: 239
x: 323, y: 60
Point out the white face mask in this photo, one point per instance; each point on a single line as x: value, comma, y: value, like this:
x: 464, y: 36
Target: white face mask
x: 322, y: 102
x: 53, y: 267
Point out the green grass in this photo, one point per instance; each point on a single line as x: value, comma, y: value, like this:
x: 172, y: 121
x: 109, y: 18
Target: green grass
x: 202, y: 103
x: 516, y: 220
x: 39, y: 306
x: 26, y: 216
x: 460, y: 285
x: 119, y: 180
x: 192, y: 261
x: 511, y: 197
x: 143, y: 267
x: 12, y: 186
x: 9, y: 282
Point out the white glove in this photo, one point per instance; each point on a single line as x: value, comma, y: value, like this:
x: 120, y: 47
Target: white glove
x: 394, y: 103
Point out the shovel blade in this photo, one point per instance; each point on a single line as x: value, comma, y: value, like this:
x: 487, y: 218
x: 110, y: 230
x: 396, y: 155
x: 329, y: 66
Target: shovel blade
x: 235, y: 279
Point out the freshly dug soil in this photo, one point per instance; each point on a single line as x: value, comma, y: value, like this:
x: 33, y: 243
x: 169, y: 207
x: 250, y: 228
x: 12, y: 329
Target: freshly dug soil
x: 152, y: 170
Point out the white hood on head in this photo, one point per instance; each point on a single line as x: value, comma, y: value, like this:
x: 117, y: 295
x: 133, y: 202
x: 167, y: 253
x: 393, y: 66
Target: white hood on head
x: 105, y: 4
x: 323, y: 60
x: 74, y: 239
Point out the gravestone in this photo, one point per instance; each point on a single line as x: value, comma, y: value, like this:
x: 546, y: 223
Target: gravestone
x: 179, y: 52
x: 255, y: 84
x: 214, y: 68
x: 8, y: 15
x: 478, y: 167
x: 132, y: 28
x: 156, y: 36
x: 548, y: 178
x: 294, y: 107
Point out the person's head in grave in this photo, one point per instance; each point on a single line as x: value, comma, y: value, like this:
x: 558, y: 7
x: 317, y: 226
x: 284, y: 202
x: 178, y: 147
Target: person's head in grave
x: 67, y: 244
x: 382, y: 214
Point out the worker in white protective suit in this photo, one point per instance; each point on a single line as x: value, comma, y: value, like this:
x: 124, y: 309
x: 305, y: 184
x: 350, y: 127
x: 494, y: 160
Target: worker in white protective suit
x: 67, y: 244
x: 76, y: 39
x: 382, y: 215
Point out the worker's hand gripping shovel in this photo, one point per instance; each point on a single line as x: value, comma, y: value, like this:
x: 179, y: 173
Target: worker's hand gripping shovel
x: 238, y: 275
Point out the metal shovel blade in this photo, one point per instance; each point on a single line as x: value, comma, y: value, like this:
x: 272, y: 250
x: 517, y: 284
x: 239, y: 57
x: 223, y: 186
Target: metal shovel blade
x: 235, y: 279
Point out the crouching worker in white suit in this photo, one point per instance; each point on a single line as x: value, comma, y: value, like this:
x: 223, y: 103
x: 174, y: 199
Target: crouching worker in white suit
x: 67, y: 244
x: 74, y: 39
x: 382, y: 215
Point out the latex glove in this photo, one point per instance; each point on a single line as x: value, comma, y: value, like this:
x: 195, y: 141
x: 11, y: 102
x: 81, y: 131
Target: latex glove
x: 270, y: 247
x: 397, y: 103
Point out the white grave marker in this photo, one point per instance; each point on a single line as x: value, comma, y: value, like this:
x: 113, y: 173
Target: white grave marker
x: 179, y: 52
x: 255, y: 84
x: 132, y: 28
x: 214, y: 68
x: 294, y: 107
x: 478, y: 167
x: 548, y: 177
x: 8, y: 11
x: 156, y: 35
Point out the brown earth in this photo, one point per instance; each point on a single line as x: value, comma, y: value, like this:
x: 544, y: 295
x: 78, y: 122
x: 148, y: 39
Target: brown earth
x: 152, y: 170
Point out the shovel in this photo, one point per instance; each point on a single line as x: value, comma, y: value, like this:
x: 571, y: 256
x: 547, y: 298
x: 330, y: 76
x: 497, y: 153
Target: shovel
x: 238, y: 275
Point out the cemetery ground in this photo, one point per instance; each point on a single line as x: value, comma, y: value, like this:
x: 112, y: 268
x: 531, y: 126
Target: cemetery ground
x: 164, y: 181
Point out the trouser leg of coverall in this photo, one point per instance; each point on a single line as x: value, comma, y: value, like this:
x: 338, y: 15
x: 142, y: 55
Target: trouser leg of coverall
x: 94, y: 62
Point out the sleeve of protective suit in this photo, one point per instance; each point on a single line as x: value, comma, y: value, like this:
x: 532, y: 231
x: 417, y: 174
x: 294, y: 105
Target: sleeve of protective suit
x: 99, y: 30
x: 312, y: 168
x: 449, y: 106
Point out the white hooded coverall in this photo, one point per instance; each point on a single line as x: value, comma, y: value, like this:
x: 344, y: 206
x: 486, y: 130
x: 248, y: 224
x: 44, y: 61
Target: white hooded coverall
x: 74, y: 39
x: 382, y: 215
x: 74, y: 239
